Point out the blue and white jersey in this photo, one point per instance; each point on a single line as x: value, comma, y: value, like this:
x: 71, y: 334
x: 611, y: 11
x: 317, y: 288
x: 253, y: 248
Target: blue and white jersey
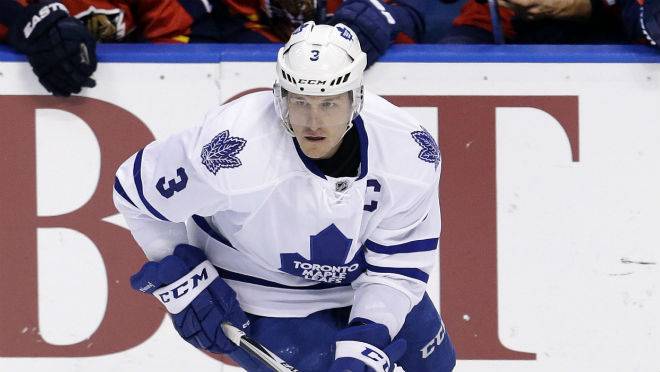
x: 289, y: 240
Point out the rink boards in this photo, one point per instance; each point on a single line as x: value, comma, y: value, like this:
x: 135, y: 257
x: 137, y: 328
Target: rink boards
x: 550, y: 200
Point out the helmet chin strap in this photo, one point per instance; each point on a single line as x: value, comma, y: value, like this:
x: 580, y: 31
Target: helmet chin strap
x: 348, y: 127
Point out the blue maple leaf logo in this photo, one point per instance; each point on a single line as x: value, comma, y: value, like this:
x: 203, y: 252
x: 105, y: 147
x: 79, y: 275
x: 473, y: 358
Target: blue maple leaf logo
x: 345, y: 33
x: 221, y: 152
x: 327, y: 262
x: 430, y: 152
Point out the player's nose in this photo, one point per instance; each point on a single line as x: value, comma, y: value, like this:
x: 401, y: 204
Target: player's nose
x: 315, y: 120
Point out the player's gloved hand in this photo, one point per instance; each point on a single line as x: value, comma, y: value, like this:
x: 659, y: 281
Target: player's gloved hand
x: 377, y: 24
x: 198, y: 300
x: 650, y: 20
x: 60, y: 50
x: 366, y: 348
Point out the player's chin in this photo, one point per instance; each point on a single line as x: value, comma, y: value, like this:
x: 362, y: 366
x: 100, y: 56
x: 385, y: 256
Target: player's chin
x: 315, y: 149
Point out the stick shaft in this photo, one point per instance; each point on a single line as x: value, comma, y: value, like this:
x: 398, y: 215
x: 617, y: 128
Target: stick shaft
x: 498, y: 33
x: 256, y: 350
x: 321, y: 11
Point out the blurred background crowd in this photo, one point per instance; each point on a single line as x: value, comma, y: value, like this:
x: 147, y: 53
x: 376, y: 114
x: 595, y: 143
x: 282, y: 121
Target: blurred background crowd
x: 60, y: 38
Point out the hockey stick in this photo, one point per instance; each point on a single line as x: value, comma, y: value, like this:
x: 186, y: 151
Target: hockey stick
x: 498, y: 34
x: 321, y: 11
x: 255, y: 349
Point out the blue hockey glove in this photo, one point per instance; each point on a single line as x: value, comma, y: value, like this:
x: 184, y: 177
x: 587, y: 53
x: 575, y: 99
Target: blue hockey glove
x: 650, y: 20
x: 60, y: 50
x: 366, y: 348
x: 377, y: 24
x: 198, y: 300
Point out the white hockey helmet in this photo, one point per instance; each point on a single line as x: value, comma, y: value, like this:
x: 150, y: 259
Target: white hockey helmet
x: 320, y: 60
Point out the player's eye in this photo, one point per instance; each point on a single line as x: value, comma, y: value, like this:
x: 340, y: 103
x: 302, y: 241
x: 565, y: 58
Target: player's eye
x: 328, y: 105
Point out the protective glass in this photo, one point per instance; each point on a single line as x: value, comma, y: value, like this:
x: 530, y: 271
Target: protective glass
x: 319, y: 111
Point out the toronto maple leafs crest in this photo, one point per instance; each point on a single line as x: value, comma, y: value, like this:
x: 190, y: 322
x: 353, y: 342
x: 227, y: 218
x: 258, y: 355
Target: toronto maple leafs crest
x: 327, y: 262
x: 221, y: 152
x: 430, y: 152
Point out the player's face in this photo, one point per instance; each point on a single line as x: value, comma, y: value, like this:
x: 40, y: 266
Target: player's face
x: 319, y: 122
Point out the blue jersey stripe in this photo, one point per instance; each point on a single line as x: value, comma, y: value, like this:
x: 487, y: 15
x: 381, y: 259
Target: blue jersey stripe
x: 204, y: 225
x: 409, y: 272
x: 364, y: 146
x: 120, y: 190
x: 137, y: 176
x: 225, y: 274
x: 424, y: 245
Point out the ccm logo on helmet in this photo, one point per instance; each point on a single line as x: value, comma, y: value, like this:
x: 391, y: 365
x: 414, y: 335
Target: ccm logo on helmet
x: 336, y: 81
x: 311, y: 82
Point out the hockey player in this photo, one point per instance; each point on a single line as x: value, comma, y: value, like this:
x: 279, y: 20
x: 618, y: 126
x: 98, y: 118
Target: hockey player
x: 59, y: 38
x: 307, y: 217
x: 539, y: 22
x: 377, y: 23
x: 60, y: 49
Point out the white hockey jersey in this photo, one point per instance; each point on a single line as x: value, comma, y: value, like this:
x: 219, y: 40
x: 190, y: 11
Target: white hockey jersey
x: 289, y: 240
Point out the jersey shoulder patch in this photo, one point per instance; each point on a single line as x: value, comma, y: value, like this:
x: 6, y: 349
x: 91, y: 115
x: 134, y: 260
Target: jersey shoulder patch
x: 417, y: 158
x: 238, y: 143
x: 430, y: 151
x: 222, y: 152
